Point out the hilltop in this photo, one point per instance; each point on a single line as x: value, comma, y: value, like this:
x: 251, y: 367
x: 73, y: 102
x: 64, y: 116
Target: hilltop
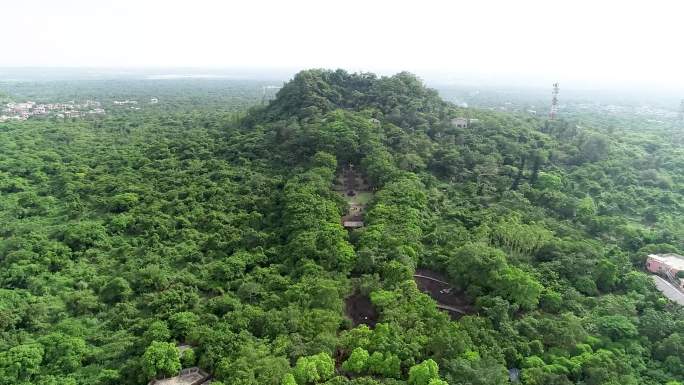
x: 223, y: 233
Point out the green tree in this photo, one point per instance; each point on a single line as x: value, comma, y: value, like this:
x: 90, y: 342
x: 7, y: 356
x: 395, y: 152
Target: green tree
x: 357, y: 361
x: 309, y: 369
x: 63, y: 353
x: 19, y: 364
x: 157, y: 331
x: 116, y: 290
x: 423, y: 373
x: 188, y: 358
x: 161, y: 358
x: 182, y: 323
x: 289, y: 379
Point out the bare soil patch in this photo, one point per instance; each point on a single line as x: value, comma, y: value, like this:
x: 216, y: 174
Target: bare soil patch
x: 355, y: 190
x: 445, y: 294
x: 360, y: 310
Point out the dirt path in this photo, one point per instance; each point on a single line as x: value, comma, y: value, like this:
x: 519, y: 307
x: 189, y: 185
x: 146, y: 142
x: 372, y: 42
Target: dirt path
x: 430, y: 278
x: 447, y: 297
x: 451, y: 308
x: 361, y: 310
x: 355, y: 191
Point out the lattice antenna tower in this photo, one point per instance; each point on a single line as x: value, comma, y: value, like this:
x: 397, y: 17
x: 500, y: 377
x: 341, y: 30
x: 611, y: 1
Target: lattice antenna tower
x: 554, y: 102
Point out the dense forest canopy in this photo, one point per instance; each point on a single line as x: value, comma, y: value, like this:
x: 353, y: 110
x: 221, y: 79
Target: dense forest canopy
x: 126, y: 236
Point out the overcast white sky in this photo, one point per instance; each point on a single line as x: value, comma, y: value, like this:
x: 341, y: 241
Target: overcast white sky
x: 601, y: 41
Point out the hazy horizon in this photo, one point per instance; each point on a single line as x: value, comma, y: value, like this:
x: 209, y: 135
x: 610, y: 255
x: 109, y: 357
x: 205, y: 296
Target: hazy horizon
x: 582, y: 44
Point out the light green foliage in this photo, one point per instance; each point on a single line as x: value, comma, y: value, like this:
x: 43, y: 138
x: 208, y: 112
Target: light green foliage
x: 182, y: 323
x: 20, y: 363
x: 616, y: 327
x: 188, y: 358
x: 423, y: 373
x: 310, y: 369
x: 62, y: 352
x: 289, y: 379
x: 161, y: 358
x: 123, y: 202
x: 157, y: 331
x: 533, y: 362
x: 387, y: 365
x: 254, y: 364
x: 357, y: 361
x: 81, y: 236
x: 550, y: 181
x: 586, y: 208
x: 519, y: 237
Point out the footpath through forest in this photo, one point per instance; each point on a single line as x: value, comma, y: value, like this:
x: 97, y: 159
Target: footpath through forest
x: 353, y: 186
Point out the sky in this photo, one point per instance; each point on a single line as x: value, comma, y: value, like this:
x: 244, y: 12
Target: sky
x: 597, y: 42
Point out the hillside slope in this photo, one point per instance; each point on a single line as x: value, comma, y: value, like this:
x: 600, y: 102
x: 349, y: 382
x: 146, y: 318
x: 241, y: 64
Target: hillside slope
x: 123, y: 239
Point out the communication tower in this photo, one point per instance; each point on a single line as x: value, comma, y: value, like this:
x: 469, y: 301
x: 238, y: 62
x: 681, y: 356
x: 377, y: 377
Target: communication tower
x: 554, y: 102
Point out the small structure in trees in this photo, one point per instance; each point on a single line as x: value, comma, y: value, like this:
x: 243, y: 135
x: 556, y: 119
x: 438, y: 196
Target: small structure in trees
x: 352, y: 224
x: 667, y: 265
x: 354, y: 188
x: 460, y: 122
x: 189, y: 376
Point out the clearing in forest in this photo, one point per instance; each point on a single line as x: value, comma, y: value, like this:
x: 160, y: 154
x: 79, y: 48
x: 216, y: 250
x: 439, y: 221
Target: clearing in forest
x: 361, y: 310
x: 354, y: 188
x: 448, y: 298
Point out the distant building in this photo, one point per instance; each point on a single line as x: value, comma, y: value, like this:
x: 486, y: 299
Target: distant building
x: 667, y: 265
x: 460, y: 122
x: 124, y: 102
x: 72, y: 114
x: 154, y: 100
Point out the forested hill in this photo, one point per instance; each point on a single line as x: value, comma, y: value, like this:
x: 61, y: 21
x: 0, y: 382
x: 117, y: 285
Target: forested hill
x: 122, y: 239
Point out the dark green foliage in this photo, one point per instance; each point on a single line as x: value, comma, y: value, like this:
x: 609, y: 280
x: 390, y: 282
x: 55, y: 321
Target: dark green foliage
x: 125, y: 236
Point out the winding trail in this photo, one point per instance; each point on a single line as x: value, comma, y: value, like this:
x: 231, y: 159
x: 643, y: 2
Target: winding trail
x: 430, y: 278
x: 441, y: 292
x: 451, y: 308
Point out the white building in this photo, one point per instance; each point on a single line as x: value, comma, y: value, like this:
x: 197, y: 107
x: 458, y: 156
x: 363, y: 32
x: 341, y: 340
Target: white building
x: 460, y: 122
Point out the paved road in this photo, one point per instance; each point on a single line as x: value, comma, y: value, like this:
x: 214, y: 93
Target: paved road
x: 668, y: 290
